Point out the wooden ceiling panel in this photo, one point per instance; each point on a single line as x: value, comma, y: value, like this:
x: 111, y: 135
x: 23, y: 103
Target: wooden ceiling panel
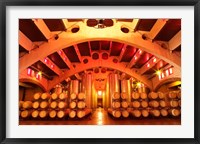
x: 56, y: 59
x: 125, y: 20
x: 28, y: 27
x: 105, y: 45
x: 55, y: 24
x: 145, y: 57
x: 145, y: 24
x: 128, y: 54
x: 172, y: 27
x: 84, y: 49
x: 71, y: 54
x: 95, y: 45
x: 116, y: 49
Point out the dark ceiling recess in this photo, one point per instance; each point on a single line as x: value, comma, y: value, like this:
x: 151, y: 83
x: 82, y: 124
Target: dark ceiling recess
x: 84, y: 49
x: 73, y: 77
x: 105, y: 45
x: 116, y: 48
x: 44, y: 69
x: 22, y: 49
x: 58, y: 61
x: 95, y: 45
x: 172, y: 27
x: 145, y: 24
x: 128, y: 54
x: 125, y: 20
x: 64, y: 82
x: 74, y: 20
x: 95, y: 56
x: 71, y: 54
x: 55, y: 24
x: 28, y: 27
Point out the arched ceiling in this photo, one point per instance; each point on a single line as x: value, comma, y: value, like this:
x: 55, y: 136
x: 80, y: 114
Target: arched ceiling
x: 64, y: 49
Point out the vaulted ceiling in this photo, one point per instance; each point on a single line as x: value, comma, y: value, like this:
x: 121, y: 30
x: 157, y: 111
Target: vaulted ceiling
x: 65, y: 49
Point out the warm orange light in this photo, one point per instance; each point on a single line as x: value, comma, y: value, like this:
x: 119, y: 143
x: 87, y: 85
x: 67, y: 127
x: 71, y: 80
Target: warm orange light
x: 167, y: 73
x: 158, y: 72
x: 52, y: 66
x: 99, y: 93
x: 148, y: 65
x: 170, y: 71
x: 140, y: 51
x: 154, y: 60
x: 162, y: 75
x: 135, y: 57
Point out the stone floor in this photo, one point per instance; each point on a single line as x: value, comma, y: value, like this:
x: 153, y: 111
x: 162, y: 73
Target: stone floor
x: 101, y: 117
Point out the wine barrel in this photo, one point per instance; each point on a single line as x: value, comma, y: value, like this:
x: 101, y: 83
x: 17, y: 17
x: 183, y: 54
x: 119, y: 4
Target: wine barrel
x: 54, y: 96
x: 81, y: 104
x: 116, y: 104
x: 145, y: 113
x: 116, y: 96
x: 72, y: 105
x: 62, y: 104
x: 72, y: 114
x: 36, y: 96
x: 25, y: 113
x: 53, y: 104
x: 125, y: 113
x: 154, y: 104
x: 62, y: 96
x: 35, y: 114
x: 116, y: 113
x: 136, y: 104
x: 161, y: 95
x: 179, y: 94
x: 60, y: 114
x: 163, y: 112
x: 124, y: 104
x: 136, y: 113
x: 144, y: 104
x: 155, y: 113
x: 45, y: 96
x: 36, y: 104
x: 52, y: 114
x: 174, y: 112
x: 179, y: 103
x: 81, y: 96
x: 174, y: 103
x: 152, y: 95
x: 80, y: 113
x: 44, y: 104
x: 143, y: 95
x: 172, y: 95
x: 163, y: 103
x: 27, y: 105
x: 135, y: 95
x: 73, y: 96
x: 124, y: 95
x: 43, y: 114
x: 20, y: 104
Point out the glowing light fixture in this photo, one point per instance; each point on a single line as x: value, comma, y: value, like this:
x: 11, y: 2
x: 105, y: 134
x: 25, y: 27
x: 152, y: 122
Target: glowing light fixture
x: 154, y: 60
x: 52, y: 66
x: 138, y: 84
x: 99, y: 93
x: 167, y: 72
x: 140, y: 51
x: 170, y: 71
x: 29, y: 71
x: 148, y: 65
x: 135, y: 57
x: 46, y: 60
x: 162, y: 75
x: 158, y: 72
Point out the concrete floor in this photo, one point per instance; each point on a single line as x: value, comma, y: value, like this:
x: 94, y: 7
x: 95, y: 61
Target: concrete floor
x: 101, y: 117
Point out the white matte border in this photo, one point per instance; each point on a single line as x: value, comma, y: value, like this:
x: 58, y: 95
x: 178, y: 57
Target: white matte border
x: 185, y: 130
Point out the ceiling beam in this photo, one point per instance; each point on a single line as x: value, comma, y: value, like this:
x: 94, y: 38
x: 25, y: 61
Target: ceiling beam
x: 43, y: 28
x: 122, y: 52
x: 148, y: 65
x: 89, y: 45
x: 65, y: 59
x: 175, y: 41
x: 135, y: 58
x: 78, y: 53
x: 78, y: 76
x: 51, y: 65
x: 25, y: 42
x: 157, y: 27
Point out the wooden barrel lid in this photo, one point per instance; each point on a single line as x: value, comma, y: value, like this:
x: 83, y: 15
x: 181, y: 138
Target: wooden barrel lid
x: 35, y: 114
x: 80, y: 114
x: 136, y: 104
x: 135, y: 95
x: 179, y: 94
x: 164, y: 112
x: 136, y: 113
x: 54, y: 96
x: 81, y: 96
x: 25, y: 114
x: 124, y: 95
x: 144, y: 104
x: 61, y: 105
x: 43, y: 114
x: 62, y: 96
x: 156, y: 113
x: 36, y: 96
x: 60, y: 114
x: 125, y: 113
x: 124, y: 104
x: 116, y: 104
x: 53, y: 104
x: 44, y: 104
x: 175, y: 112
x: 45, y: 96
x: 143, y: 95
x: 20, y: 104
x: 116, y: 96
x: 36, y: 104
x: 72, y: 114
x: 174, y: 103
x: 145, y: 113
x: 72, y: 105
x: 73, y: 96
x: 161, y: 95
x: 81, y: 104
x: 27, y: 104
x: 52, y: 114
x: 172, y: 95
x: 162, y: 103
x: 153, y: 95
x: 116, y: 113
x: 154, y: 104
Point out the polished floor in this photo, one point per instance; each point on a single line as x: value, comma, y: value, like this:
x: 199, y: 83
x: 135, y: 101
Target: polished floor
x: 101, y: 117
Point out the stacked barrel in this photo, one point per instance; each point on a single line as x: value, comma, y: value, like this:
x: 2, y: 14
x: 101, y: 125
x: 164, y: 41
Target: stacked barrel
x: 157, y: 104
x: 174, y: 100
x: 58, y: 106
x: 25, y: 109
x: 116, y: 104
x: 78, y: 106
x: 139, y: 102
x: 124, y: 105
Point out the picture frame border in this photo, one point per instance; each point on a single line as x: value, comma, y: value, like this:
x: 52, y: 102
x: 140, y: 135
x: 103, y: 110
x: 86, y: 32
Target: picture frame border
x: 5, y: 3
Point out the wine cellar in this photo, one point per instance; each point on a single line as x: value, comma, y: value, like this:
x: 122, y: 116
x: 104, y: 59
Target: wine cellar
x: 99, y: 71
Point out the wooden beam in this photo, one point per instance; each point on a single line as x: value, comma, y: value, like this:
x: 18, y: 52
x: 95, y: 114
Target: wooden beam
x: 122, y: 52
x: 65, y: 59
x: 25, y: 42
x: 78, y: 53
x: 175, y: 41
x: 135, y: 58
